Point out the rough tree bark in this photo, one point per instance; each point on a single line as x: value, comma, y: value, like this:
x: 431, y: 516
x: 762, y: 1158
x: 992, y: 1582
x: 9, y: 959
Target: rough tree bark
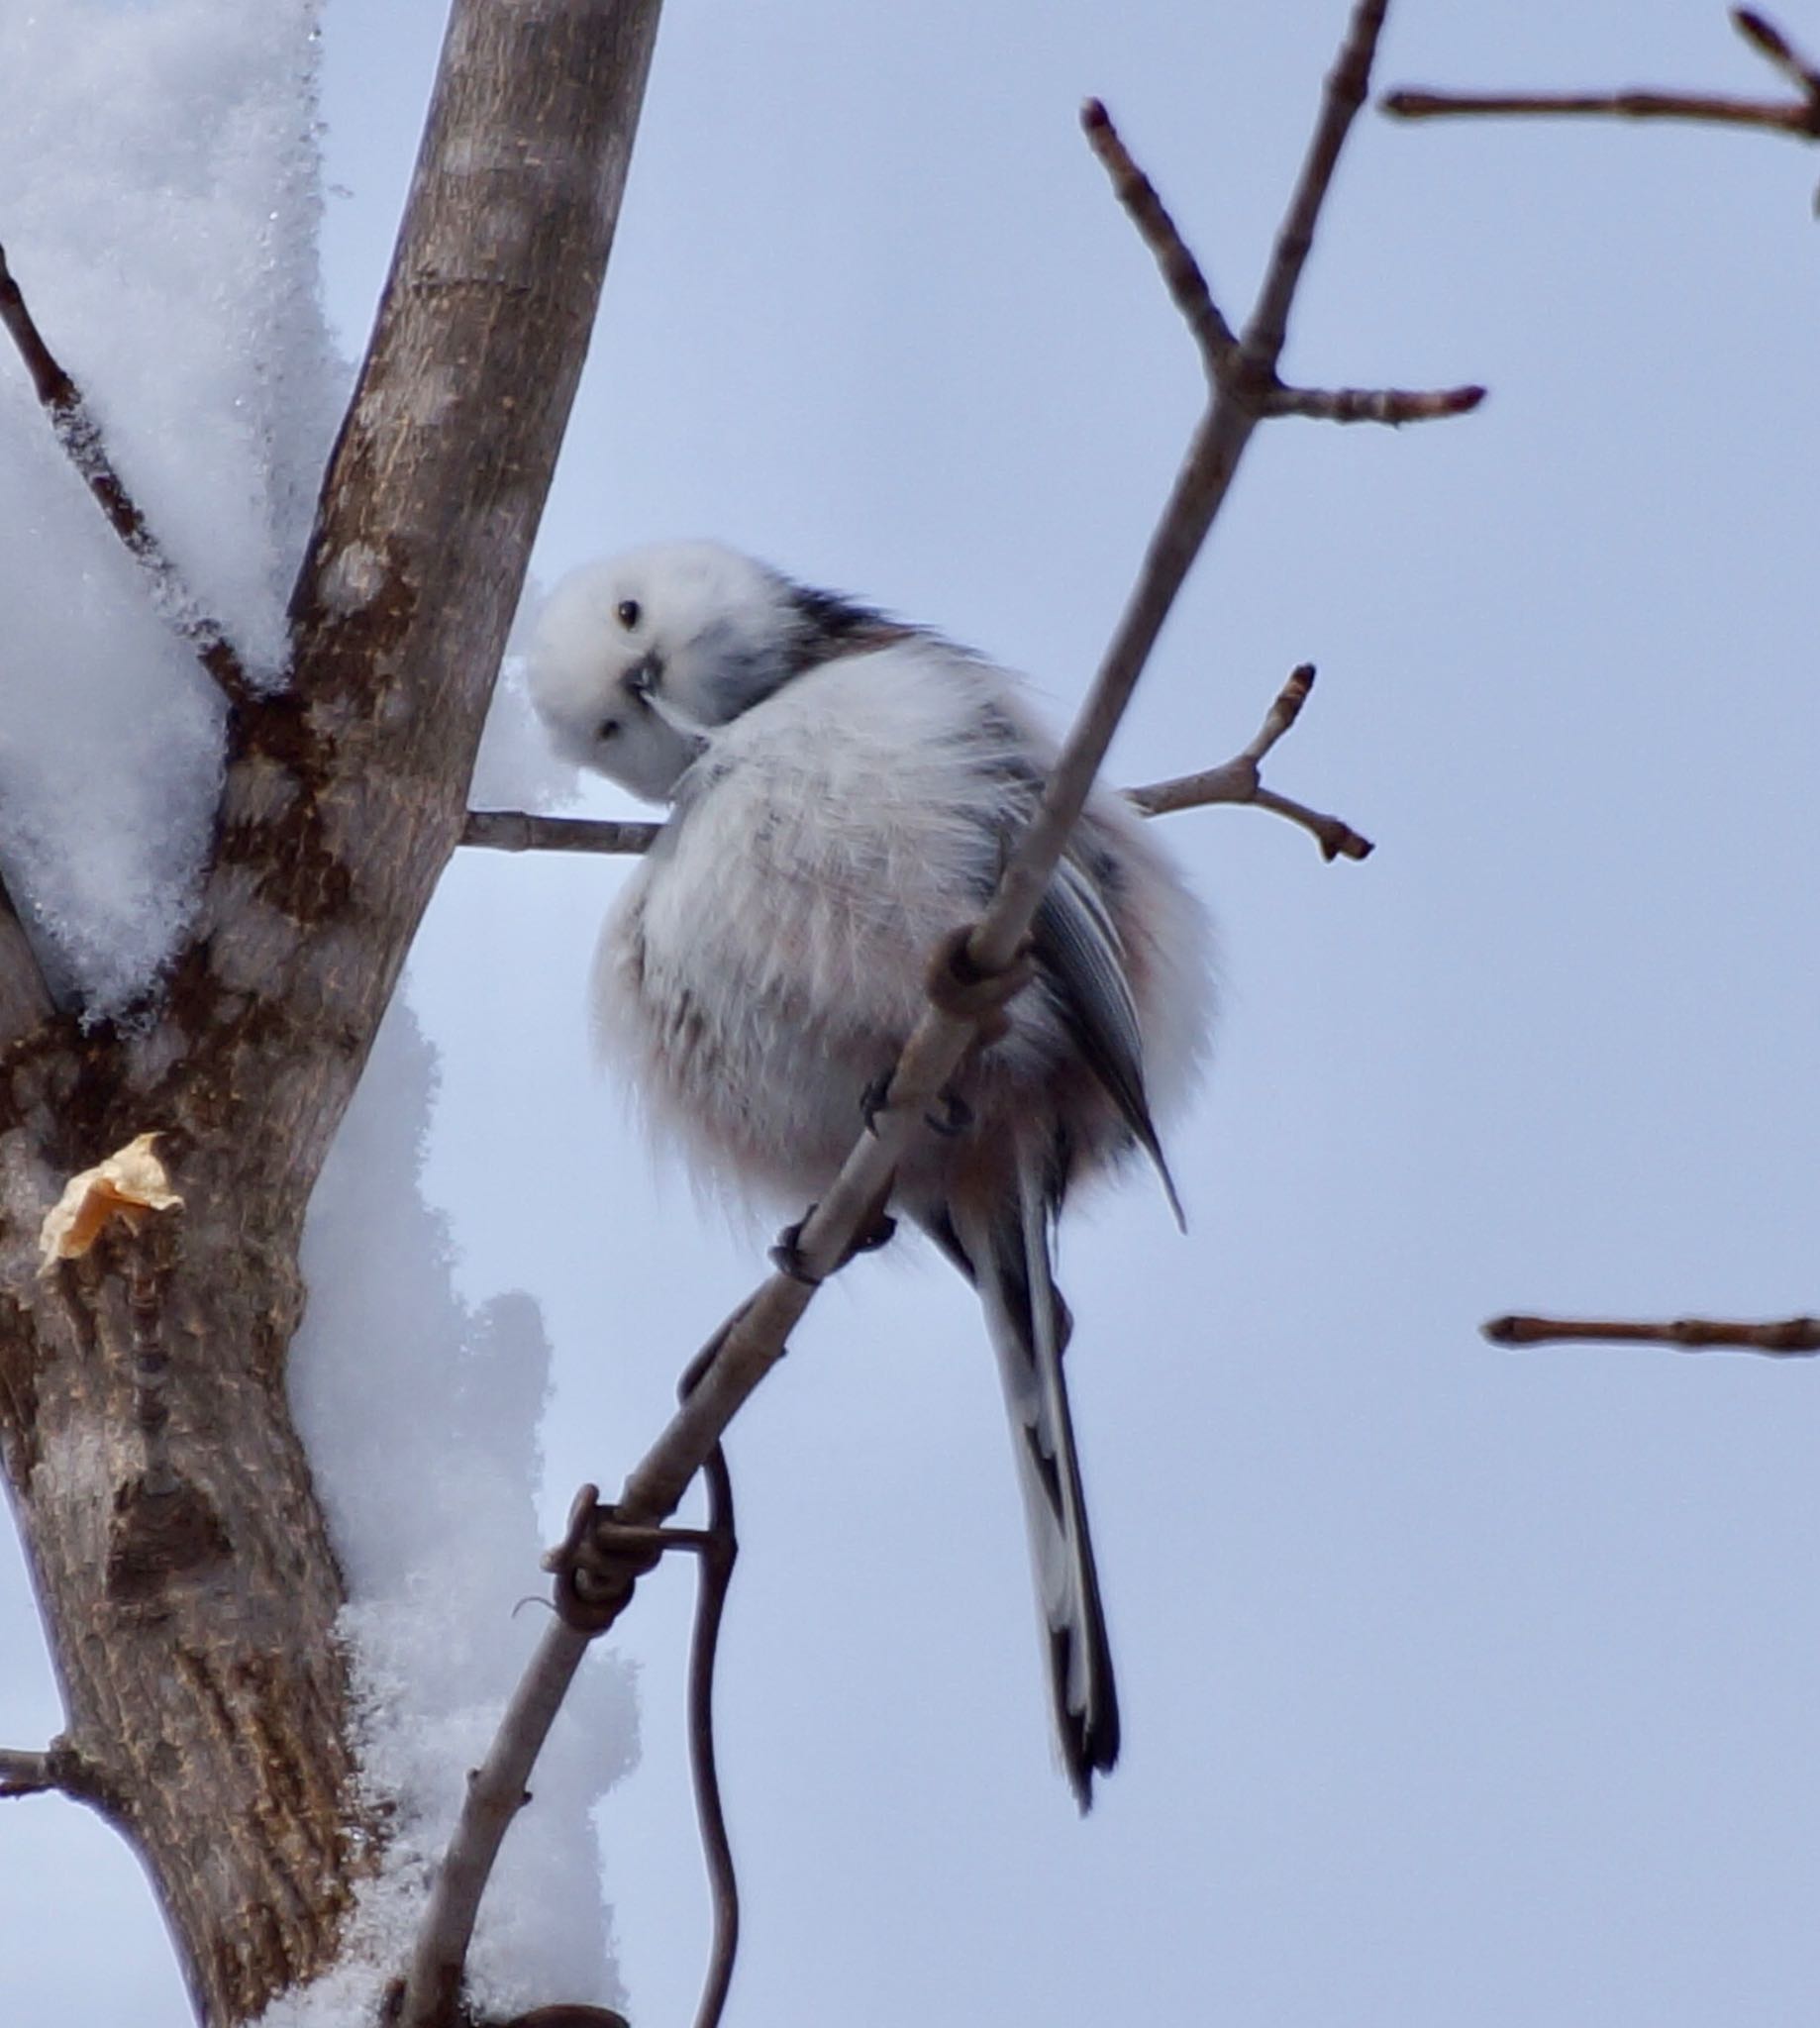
x: 190, y: 1593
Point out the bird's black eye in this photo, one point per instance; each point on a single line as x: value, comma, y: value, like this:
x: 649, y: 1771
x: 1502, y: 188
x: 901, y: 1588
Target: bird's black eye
x: 609, y: 728
x: 627, y: 612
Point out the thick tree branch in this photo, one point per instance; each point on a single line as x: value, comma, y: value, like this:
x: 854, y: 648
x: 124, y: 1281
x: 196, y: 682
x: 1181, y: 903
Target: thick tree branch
x: 739, y: 1356
x: 428, y: 512
x: 1237, y: 780
x: 195, y: 1637
x: 1799, y: 115
x: 1792, y: 1334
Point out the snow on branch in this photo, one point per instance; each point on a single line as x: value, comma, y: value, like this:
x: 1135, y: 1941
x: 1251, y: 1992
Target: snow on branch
x: 1242, y: 387
x: 77, y: 430
x: 1799, y: 115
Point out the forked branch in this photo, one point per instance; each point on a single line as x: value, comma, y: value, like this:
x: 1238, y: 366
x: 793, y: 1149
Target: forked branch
x: 1240, y: 780
x: 740, y: 1355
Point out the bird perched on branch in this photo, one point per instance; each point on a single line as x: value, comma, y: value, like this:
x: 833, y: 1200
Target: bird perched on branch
x: 844, y: 792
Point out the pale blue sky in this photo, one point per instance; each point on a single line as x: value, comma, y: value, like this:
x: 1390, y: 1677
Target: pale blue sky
x: 1460, y: 1687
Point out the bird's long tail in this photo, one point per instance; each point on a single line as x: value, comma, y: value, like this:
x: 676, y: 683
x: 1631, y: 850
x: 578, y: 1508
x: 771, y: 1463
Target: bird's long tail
x: 1029, y: 1323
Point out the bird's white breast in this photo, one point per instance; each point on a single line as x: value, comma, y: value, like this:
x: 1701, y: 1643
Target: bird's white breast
x: 766, y: 961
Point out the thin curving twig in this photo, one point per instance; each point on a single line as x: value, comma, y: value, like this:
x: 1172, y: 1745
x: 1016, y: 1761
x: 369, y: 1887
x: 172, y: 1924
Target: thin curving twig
x: 718, y: 1555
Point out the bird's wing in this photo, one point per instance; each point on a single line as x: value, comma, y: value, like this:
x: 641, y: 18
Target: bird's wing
x: 1079, y: 948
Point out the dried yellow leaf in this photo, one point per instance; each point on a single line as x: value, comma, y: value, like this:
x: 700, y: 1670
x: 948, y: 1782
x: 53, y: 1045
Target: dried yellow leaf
x: 128, y: 1184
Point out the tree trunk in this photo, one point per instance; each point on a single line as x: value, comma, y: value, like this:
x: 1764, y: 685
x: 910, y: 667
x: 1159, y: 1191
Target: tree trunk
x: 170, y: 1524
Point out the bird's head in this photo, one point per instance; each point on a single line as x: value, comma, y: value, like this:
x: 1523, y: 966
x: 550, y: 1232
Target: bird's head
x: 636, y: 659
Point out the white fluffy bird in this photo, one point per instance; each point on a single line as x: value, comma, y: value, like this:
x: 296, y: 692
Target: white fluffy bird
x: 844, y: 789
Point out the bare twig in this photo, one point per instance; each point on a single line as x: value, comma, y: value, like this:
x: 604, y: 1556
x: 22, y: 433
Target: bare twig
x: 78, y: 431
x: 1393, y: 405
x: 569, y: 2014
x: 1799, y: 116
x: 1773, y: 46
x: 1237, y: 780
x: 522, y: 831
x: 1688, y: 1334
x: 25, y: 1773
x: 751, y: 1341
x: 1342, y: 93
x: 496, y: 1793
x: 57, y: 1770
x: 1182, y: 272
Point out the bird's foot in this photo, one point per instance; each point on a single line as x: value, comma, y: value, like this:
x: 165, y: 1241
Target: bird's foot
x: 788, y: 1255
x: 876, y: 1098
x: 952, y: 1115
x: 954, y: 1118
x: 961, y: 987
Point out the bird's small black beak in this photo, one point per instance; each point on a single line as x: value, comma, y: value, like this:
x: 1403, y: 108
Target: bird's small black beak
x: 643, y: 676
